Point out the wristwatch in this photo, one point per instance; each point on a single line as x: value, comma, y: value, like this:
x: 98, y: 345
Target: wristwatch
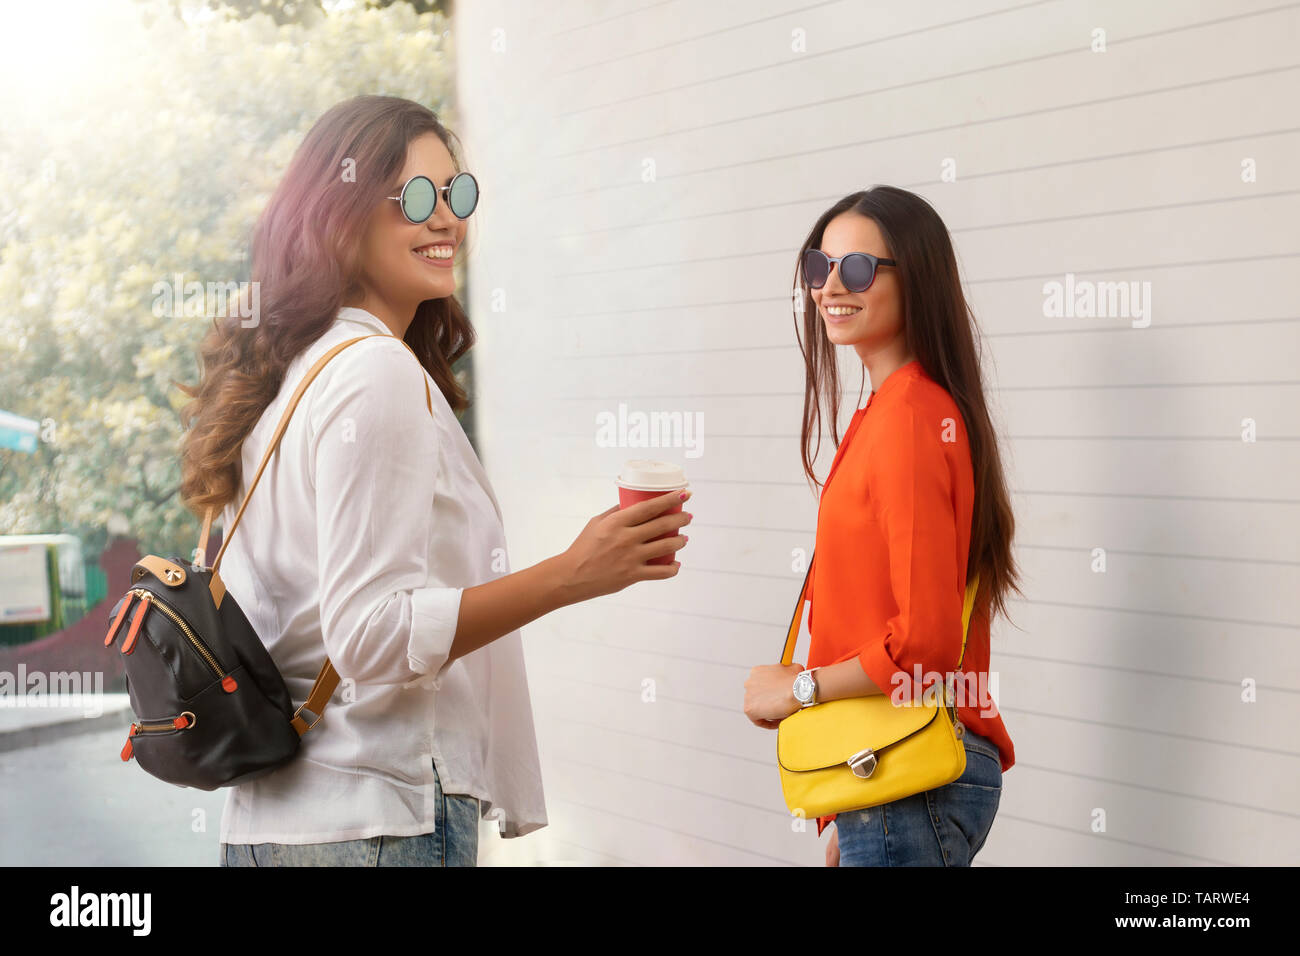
x: 805, y: 689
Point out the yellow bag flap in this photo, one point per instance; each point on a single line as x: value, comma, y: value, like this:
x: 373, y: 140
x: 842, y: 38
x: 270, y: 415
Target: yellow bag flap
x: 828, y: 734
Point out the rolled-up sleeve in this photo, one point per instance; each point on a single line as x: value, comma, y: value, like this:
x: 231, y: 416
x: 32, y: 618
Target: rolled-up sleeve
x: 910, y: 483
x: 375, y: 461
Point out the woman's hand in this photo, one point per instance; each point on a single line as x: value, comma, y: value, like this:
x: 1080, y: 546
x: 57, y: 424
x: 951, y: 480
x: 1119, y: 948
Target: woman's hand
x: 833, y: 847
x: 612, y: 550
x: 769, y: 694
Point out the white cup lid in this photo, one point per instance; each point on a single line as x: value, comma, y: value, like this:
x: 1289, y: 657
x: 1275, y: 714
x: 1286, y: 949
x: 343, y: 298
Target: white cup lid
x: 642, y: 474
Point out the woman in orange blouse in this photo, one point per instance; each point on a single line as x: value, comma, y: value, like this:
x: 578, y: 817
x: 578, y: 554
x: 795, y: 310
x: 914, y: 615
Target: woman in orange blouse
x: 917, y: 506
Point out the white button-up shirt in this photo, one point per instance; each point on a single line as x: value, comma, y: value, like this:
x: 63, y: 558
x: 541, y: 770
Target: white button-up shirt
x: 357, y: 542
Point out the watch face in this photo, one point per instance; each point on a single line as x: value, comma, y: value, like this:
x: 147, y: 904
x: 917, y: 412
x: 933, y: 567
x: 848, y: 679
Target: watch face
x: 803, y: 688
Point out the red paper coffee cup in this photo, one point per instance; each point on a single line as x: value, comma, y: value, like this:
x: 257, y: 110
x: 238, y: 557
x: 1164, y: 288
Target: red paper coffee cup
x: 642, y: 479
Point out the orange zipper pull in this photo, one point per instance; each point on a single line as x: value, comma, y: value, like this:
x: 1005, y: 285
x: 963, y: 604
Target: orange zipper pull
x: 127, y: 750
x: 228, y: 684
x: 112, y: 631
x: 129, y: 644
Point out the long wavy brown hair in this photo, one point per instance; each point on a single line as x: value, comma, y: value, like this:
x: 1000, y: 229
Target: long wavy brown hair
x: 306, y: 261
x: 941, y: 331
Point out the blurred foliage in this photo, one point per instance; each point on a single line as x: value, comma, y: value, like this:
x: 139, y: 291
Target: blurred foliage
x: 157, y: 171
x: 296, y: 11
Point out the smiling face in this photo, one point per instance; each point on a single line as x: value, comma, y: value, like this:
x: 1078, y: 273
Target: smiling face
x: 870, y: 321
x: 405, y: 263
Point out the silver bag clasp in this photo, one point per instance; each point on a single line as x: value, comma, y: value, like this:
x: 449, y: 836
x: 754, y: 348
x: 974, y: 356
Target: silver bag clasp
x: 863, y: 763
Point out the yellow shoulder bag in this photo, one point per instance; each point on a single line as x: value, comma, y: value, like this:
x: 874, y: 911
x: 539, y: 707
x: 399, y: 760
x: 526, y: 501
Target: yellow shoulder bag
x: 859, y: 752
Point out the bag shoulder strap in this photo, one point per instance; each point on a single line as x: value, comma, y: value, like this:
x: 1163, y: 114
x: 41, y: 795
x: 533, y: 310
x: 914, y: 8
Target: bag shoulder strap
x: 279, y: 433
x: 327, y: 680
x: 787, y: 653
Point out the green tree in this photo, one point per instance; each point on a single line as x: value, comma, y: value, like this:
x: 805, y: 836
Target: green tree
x: 159, y: 170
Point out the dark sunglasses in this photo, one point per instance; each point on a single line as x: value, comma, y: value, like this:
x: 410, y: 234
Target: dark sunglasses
x: 857, y: 269
x: 419, y: 197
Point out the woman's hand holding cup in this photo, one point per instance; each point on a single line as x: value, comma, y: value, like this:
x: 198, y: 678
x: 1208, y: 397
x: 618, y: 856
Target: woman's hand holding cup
x: 613, y: 549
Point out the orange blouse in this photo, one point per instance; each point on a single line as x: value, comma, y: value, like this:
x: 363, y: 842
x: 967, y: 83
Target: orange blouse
x: 893, y: 537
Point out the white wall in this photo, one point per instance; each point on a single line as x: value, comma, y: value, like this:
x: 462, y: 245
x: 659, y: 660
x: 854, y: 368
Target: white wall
x: 590, y: 287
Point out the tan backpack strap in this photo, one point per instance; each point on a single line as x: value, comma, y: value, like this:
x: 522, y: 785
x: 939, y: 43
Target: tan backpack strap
x: 201, y: 552
x: 787, y: 652
x: 321, y: 691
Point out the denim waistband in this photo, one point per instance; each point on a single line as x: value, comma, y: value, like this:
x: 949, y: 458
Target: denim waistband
x: 981, y: 744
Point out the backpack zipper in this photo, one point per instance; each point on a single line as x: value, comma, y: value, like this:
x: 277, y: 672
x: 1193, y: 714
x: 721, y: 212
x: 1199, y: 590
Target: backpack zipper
x: 182, y: 721
x: 148, y: 597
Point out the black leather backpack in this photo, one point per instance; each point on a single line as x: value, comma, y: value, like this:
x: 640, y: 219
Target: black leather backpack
x: 211, y: 707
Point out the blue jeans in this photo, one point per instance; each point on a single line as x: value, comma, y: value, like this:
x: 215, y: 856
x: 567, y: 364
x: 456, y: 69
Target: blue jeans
x: 453, y: 842
x: 945, y: 826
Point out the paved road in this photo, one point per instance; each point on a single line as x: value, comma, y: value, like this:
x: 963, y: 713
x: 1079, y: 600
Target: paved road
x: 73, y: 802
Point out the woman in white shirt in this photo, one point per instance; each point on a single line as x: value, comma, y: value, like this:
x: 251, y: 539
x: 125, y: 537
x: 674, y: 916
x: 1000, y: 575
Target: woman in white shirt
x: 373, y: 536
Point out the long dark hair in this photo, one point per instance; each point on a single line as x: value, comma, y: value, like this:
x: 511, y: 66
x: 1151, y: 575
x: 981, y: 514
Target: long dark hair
x: 941, y: 331
x: 306, y: 261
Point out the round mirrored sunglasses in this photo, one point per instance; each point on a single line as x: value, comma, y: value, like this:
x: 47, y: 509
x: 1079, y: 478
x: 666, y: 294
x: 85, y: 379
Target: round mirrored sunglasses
x: 419, y: 197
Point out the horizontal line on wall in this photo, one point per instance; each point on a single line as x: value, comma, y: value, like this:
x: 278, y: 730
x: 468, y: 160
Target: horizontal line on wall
x: 1129, y: 210
x: 1106, y: 157
x: 946, y: 127
x: 618, y: 16
x: 688, y: 305
x: 1148, y: 672
x: 1179, y: 556
x: 1018, y: 491
x: 916, y: 184
x: 1236, y: 745
x: 660, y: 826
x: 683, y: 613
x: 636, y: 692
x: 639, y: 265
x: 793, y: 346
x: 1082, y: 549
x: 1115, y: 387
x: 1161, y: 328
x: 673, y: 786
x: 1011, y: 601
x: 651, y: 651
x: 1081, y: 831
x: 785, y: 815
x: 695, y: 38
x: 787, y: 299
x: 1133, y: 494
x: 1085, y: 832
x: 1019, y: 763
x: 1149, y: 266
x: 805, y: 57
x: 1161, y: 790
x: 660, y: 740
x: 1293, y: 625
